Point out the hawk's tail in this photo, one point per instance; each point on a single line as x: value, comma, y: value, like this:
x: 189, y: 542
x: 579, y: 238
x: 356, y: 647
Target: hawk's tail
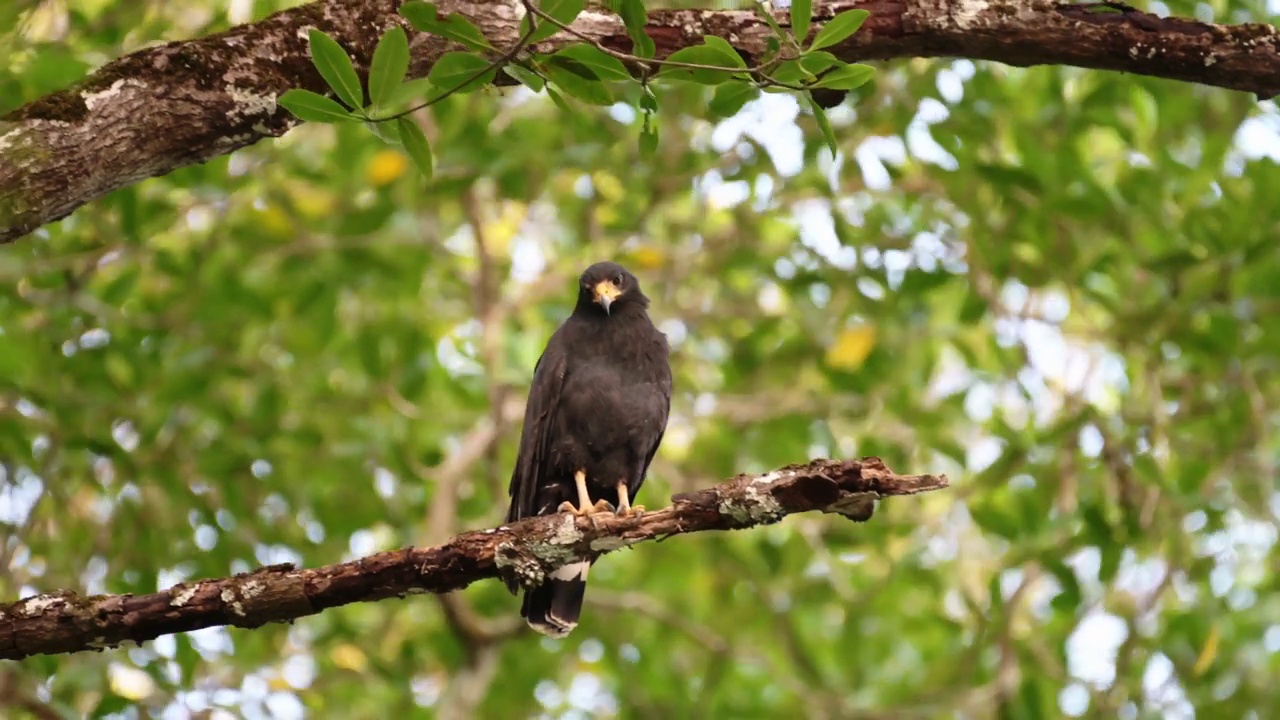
x: 553, y: 607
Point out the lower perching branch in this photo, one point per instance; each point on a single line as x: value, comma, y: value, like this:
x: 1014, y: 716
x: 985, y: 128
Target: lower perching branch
x: 64, y: 622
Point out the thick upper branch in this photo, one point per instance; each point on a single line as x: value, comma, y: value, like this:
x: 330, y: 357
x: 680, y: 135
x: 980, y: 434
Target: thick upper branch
x: 63, y: 622
x: 182, y: 103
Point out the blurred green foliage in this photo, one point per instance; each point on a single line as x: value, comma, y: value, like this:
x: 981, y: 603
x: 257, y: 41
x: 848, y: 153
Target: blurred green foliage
x: 1061, y: 287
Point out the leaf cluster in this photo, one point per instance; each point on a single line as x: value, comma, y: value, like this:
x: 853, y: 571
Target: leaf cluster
x: 586, y: 72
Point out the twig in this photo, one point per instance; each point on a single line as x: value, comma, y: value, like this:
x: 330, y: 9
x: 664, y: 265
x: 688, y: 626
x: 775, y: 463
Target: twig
x: 642, y: 604
x: 447, y: 476
x: 478, y: 629
x: 474, y: 629
x: 13, y: 696
x: 492, y: 314
x: 717, y: 645
x: 468, y: 687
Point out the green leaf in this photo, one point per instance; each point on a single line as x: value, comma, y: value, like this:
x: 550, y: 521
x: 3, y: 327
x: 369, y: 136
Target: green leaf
x: 563, y: 11
x: 559, y: 100
x: 839, y: 28
x: 387, y: 132
x: 390, y: 63
x: 792, y: 72
x: 415, y: 143
x: 701, y: 55
x: 824, y: 125
x: 335, y: 67
x: 766, y: 12
x: 1068, y: 599
x: 525, y: 76
x: 730, y: 98
x: 992, y: 513
x: 1110, y: 560
x: 648, y: 139
x: 461, y: 72
x: 605, y: 66
x: 409, y: 91
x: 724, y: 47
x: 578, y: 80
x: 313, y: 107
x: 110, y: 704
x: 635, y: 19
x: 649, y: 130
x: 1192, y: 473
x: 187, y: 657
x: 846, y: 78
x: 816, y: 62
x: 648, y: 102
x: 425, y: 16
x: 801, y: 14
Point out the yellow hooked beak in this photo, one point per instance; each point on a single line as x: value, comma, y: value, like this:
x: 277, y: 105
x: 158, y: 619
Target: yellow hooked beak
x: 605, y: 293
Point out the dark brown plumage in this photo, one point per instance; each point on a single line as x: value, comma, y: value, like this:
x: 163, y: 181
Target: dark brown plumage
x: 597, y: 411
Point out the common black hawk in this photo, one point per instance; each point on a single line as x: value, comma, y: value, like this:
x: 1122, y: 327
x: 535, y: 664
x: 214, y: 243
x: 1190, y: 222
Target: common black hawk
x: 596, y: 414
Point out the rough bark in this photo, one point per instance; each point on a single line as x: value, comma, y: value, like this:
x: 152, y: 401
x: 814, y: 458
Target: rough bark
x: 64, y: 622
x: 182, y: 103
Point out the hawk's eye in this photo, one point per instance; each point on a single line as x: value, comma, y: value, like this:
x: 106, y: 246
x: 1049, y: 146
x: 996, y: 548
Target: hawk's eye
x: 618, y: 281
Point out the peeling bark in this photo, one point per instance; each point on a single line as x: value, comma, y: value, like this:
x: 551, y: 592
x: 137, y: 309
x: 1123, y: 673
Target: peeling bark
x: 64, y: 622
x: 182, y: 103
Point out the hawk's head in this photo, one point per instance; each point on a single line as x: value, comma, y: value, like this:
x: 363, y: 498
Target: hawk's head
x: 607, y: 287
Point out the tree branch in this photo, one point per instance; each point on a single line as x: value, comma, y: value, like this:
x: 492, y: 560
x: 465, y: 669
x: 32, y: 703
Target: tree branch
x: 64, y: 622
x: 182, y: 103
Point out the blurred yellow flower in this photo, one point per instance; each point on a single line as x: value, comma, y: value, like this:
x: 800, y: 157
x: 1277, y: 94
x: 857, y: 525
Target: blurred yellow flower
x: 130, y: 683
x: 349, y: 657
x: 608, y: 186
x: 386, y: 167
x: 851, y: 348
x: 1207, y: 653
x: 648, y: 257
